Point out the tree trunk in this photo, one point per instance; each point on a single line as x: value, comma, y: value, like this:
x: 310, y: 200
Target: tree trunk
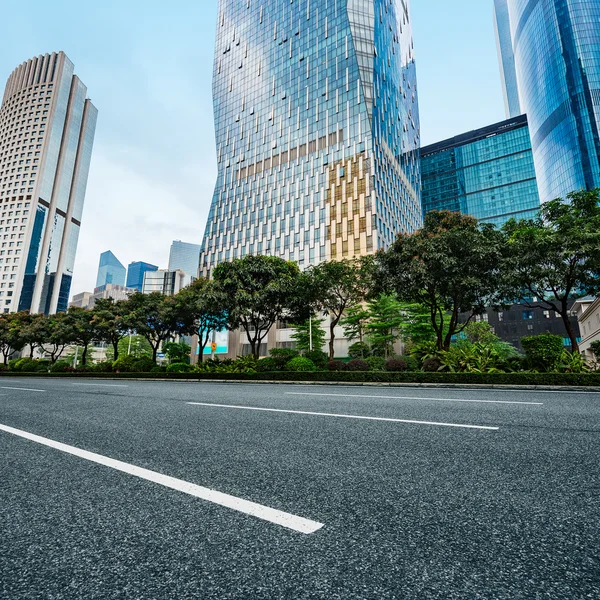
x: 31, y: 351
x: 84, y: 355
x: 570, y: 332
x: 155, y: 351
x: 115, y: 346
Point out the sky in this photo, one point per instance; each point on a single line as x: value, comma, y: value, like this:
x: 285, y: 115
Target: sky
x: 148, y: 68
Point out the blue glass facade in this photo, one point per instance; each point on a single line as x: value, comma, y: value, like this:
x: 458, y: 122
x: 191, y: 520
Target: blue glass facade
x: 135, y: 274
x: 506, y: 57
x: 110, y: 270
x: 556, y: 45
x: 488, y: 174
x: 317, y: 130
x: 184, y: 257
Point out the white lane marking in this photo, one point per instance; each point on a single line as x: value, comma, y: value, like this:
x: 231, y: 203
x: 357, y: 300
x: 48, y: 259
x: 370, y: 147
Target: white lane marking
x: 20, y: 388
x: 272, y: 515
x: 413, y: 398
x: 319, y: 414
x: 102, y: 384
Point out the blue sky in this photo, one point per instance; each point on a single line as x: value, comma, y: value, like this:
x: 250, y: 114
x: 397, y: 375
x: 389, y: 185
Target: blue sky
x: 148, y: 68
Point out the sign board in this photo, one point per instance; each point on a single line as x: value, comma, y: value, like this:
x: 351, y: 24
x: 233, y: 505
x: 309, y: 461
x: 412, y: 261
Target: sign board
x: 213, y: 346
x: 221, y: 339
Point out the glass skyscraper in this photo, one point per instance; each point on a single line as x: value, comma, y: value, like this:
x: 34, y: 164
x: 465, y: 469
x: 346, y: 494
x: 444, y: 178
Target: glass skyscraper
x: 135, y: 274
x: 506, y: 57
x: 556, y: 44
x: 47, y: 128
x: 487, y: 173
x: 110, y: 270
x: 184, y: 257
x: 317, y: 130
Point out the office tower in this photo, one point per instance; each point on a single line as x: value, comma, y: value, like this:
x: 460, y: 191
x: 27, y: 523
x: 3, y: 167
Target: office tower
x: 135, y: 274
x: 184, y: 257
x: 487, y: 173
x: 555, y: 44
x: 81, y: 300
x: 47, y: 131
x: 166, y: 282
x: 506, y: 58
x: 317, y: 130
x: 110, y: 270
x: 110, y: 290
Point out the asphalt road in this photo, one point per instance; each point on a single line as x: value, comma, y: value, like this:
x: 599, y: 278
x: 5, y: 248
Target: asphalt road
x: 410, y: 505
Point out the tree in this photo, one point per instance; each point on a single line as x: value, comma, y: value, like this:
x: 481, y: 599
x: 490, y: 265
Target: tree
x: 136, y: 346
x: 33, y: 330
x: 205, y: 306
x: 112, y: 321
x: 480, y: 333
x: 555, y: 258
x: 354, y: 321
x: 338, y: 285
x: 306, y: 332
x: 258, y: 292
x: 10, y: 337
x: 177, y: 351
x: 451, y: 266
x: 58, y: 335
x: 157, y: 318
x: 82, y: 323
x: 384, y: 326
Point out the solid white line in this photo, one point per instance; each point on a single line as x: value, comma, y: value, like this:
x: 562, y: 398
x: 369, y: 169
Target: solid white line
x: 20, y: 388
x: 272, y: 515
x: 413, y: 398
x: 319, y: 414
x: 101, y: 384
x: 470, y: 390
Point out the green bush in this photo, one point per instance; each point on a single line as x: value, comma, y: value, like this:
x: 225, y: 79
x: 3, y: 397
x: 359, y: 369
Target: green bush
x: 544, y: 351
x: 300, y: 364
x: 319, y: 357
x: 282, y: 356
x: 359, y: 350
x: 432, y: 365
x: 376, y: 363
x: 357, y: 364
x: 412, y: 364
x: 337, y: 365
x: 267, y: 364
x: 179, y: 367
x: 596, y: 348
x: 61, y: 366
x: 157, y: 369
x: 396, y: 364
x: 101, y: 367
x: 125, y: 364
x: 43, y: 366
x: 144, y: 365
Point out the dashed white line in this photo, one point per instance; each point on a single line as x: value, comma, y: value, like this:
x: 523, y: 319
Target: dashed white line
x: 414, y: 398
x: 320, y: 414
x: 102, y: 385
x: 20, y: 388
x: 265, y: 513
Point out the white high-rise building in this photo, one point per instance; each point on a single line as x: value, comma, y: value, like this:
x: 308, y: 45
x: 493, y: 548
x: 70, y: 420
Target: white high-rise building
x: 47, y: 128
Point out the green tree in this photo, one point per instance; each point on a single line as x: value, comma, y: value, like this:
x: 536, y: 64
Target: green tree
x: 136, y: 346
x: 58, y: 335
x: 337, y: 286
x: 384, y: 326
x: 177, y: 352
x: 416, y: 326
x: 596, y: 348
x: 10, y: 337
x: 112, y: 321
x: 353, y: 322
x: 307, y: 330
x: 33, y: 330
x: 204, y: 304
x: 480, y: 332
x: 158, y: 318
x: 84, y: 332
x: 451, y: 266
x: 258, y: 292
x: 555, y: 258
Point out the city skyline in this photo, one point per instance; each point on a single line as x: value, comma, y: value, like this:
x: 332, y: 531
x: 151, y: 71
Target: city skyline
x: 165, y: 165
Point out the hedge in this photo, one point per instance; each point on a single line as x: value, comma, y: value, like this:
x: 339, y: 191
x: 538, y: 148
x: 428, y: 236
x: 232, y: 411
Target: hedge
x: 534, y: 379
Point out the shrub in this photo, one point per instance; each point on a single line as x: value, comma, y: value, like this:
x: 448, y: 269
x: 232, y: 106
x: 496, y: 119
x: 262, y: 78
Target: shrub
x: 157, y: 369
x: 267, y: 364
x: 23, y: 365
x: 43, y: 366
x: 179, y: 367
x: 412, y: 364
x: 396, y: 364
x: 282, y: 356
x: 357, y: 365
x: 336, y: 365
x: 543, y: 351
x: 596, y: 348
x: 431, y: 365
x: 319, y: 357
x: 376, y: 363
x: 102, y: 367
x: 125, y: 364
x: 144, y: 365
x: 359, y: 350
x: 62, y: 366
x: 300, y: 364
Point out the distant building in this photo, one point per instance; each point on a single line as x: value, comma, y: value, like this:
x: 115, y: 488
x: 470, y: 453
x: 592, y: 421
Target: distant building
x: 587, y: 311
x: 110, y: 270
x: 110, y: 290
x: 184, y: 257
x: 135, y: 274
x: 506, y: 57
x: 81, y: 300
x: 47, y: 128
x: 166, y: 282
x: 487, y: 173
x: 520, y: 321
